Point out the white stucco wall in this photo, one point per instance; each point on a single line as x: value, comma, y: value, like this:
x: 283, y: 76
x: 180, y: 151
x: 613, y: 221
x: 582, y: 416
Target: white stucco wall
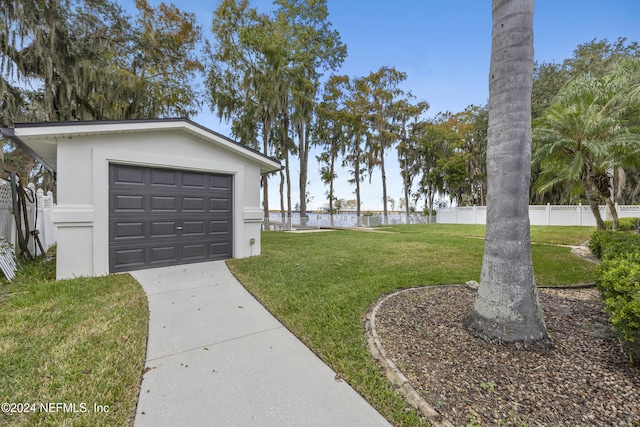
x: 82, y: 211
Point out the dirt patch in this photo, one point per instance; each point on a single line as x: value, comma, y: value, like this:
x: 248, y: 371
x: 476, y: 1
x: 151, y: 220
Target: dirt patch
x: 584, y: 379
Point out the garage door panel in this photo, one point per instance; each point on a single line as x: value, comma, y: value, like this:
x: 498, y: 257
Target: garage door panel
x: 196, y: 251
x: 220, y: 205
x: 220, y: 181
x: 163, y: 178
x: 193, y: 204
x: 166, y: 217
x: 128, y: 230
x: 219, y: 250
x: 127, y: 175
x: 194, y: 180
x: 163, y: 229
x: 164, y: 254
x: 219, y: 238
x: 123, y: 202
x: 219, y: 227
x: 164, y: 203
x: 132, y: 258
x: 193, y: 228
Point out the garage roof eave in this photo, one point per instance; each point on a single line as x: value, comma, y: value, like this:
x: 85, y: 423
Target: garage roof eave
x: 270, y: 167
x: 32, y: 136
x: 10, y: 133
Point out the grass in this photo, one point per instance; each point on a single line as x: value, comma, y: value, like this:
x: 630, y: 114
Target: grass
x: 71, y: 345
x: 321, y: 284
x: 82, y: 342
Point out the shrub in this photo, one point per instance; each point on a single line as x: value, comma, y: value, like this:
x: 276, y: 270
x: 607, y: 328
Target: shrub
x: 624, y: 224
x: 598, y: 241
x: 618, y: 278
x: 609, y: 244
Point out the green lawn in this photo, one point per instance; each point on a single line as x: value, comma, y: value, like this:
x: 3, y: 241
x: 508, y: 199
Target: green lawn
x: 72, y: 350
x: 82, y: 342
x: 321, y: 284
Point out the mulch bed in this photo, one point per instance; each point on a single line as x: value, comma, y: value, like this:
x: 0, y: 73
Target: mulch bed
x: 584, y: 380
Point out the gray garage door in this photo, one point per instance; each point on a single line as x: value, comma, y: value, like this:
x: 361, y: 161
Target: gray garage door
x: 161, y: 217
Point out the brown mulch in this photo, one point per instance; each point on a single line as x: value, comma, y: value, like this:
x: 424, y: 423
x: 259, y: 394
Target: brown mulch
x: 584, y: 380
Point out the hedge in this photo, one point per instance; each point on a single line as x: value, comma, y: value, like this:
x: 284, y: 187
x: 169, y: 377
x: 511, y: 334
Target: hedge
x: 610, y: 244
x: 618, y: 278
x: 624, y: 224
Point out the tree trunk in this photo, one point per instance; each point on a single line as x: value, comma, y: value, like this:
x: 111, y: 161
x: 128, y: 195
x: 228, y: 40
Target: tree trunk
x: 591, y: 199
x: 331, y: 174
x: 384, y: 188
x: 265, y: 182
x: 356, y: 175
x: 265, y: 201
x: 303, y: 152
x: 507, y: 306
x: 406, y: 192
x: 282, y: 218
x: 288, y: 176
x: 614, y: 213
x: 432, y: 195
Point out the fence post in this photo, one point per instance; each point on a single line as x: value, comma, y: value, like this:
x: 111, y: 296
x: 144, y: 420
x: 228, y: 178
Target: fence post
x: 579, y: 213
x: 548, y: 214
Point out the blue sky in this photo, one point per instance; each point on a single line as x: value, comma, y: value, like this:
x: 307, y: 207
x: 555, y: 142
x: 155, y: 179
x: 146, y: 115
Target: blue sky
x: 444, y: 47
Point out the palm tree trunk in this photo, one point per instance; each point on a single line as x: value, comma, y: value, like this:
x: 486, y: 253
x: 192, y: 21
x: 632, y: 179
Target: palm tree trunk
x: 591, y: 199
x: 507, y: 306
x: 614, y: 213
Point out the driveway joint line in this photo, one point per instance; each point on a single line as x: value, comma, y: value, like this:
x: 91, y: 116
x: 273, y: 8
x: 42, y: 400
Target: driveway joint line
x: 216, y: 343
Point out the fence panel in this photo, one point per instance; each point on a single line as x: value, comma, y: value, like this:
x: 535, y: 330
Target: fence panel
x: 39, y: 208
x: 7, y: 228
x: 322, y: 220
x: 629, y: 211
x: 538, y: 215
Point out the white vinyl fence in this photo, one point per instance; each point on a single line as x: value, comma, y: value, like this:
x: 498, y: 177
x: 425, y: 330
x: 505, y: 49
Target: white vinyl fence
x: 348, y: 219
x: 538, y: 215
x: 39, y: 209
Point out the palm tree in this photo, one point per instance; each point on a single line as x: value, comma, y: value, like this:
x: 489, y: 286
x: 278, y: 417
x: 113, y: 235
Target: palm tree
x: 507, y: 306
x: 582, y: 138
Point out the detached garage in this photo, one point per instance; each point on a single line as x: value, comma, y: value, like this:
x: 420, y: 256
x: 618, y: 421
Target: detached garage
x: 147, y: 193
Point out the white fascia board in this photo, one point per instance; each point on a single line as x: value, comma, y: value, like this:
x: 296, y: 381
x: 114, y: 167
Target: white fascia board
x: 51, y: 133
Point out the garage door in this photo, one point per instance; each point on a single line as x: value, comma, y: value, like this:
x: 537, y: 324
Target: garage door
x: 161, y: 217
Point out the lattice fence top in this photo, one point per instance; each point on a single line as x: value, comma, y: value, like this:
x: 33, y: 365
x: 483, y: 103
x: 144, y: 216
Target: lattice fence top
x: 5, y: 195
x: 630, y: 209
x: 564, y: 208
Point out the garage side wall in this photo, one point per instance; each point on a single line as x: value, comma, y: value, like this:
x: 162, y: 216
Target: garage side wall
x: 82, y: 212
